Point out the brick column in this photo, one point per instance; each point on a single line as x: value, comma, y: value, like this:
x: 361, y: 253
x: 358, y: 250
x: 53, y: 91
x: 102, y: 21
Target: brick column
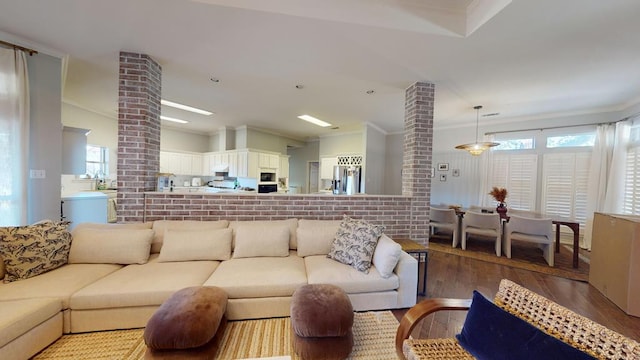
x: 418, y: 147
x: 138, y: 133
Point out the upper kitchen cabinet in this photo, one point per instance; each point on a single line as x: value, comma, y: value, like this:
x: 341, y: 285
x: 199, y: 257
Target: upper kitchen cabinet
x: 247, y: 164
x: 269, y: 161
x: 326, y: 167
x: 283, y: 170
x: 180, y: 163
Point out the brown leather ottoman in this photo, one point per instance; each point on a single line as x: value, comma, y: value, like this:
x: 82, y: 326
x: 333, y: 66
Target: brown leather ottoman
x: 321, y: 322
x: 189, y: 325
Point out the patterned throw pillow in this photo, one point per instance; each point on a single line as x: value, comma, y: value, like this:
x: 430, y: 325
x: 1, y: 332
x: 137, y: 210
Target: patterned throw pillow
x: 355, y: 243
x: 34, y: 249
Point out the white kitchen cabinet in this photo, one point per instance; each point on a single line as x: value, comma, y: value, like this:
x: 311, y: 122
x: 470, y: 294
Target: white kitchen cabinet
x: 283, y: 169
x: 326, y: 167
x: 269, y: 161
x: 233, y: 163
x: 180, y: 163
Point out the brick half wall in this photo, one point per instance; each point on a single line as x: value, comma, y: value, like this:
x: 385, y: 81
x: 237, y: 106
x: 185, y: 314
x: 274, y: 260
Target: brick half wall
x: 394, y: 212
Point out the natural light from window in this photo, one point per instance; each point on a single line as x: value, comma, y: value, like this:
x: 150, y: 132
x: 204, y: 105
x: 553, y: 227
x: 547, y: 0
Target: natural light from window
x: 515, y: 144
x: 574, y: 140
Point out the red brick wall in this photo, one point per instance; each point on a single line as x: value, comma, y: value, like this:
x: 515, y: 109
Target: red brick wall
x: 138, y: 132
x: 390, y: 211
x: 418, y: 147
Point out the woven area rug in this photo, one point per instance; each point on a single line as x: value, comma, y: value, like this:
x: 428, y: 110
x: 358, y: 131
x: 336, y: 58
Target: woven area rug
x: 523, y: 256
x: 373, y: 332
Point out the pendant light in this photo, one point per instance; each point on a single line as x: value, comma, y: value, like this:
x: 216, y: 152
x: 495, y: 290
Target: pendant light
x: 477, y: 148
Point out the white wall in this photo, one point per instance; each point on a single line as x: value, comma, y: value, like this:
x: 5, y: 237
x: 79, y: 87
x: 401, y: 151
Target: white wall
x: 261, y: 140
x: 298, y: 160
x: 45, y: 137
x: 374, y: 160
x: 393, y: 164
x: 171, y: 140
x: 104, y: 130
x: 350, y: 143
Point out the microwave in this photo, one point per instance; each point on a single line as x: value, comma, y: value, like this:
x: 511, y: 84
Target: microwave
x: 267, y: 176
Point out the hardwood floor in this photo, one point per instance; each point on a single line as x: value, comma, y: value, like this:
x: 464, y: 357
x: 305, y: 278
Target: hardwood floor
x: 452, y: 276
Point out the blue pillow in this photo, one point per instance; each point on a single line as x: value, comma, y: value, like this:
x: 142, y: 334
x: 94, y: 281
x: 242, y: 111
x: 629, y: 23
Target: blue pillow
x: 490, y: 332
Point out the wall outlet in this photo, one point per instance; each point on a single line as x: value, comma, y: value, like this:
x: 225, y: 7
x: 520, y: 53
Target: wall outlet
x: 37, y: 174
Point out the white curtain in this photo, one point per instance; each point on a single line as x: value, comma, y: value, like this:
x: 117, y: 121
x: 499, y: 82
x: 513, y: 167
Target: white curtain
x: 14, y: 137
x: 606, y: 173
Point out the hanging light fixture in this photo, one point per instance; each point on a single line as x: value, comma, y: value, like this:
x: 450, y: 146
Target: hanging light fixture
x: 477, y: 148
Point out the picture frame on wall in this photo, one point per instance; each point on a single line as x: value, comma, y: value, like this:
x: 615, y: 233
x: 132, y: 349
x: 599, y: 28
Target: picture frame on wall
x: 443, y: 166
x: 433, y: 172
x: 443, y: 177
x: 455, y: 172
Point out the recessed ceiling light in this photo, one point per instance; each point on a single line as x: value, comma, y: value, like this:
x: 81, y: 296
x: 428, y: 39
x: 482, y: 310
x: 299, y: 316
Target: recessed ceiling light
x: 162, y: 117
x: 314, y: 121
x: 185, y: 107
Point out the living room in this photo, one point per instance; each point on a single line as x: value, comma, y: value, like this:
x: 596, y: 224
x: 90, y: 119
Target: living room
x: 466, y: 179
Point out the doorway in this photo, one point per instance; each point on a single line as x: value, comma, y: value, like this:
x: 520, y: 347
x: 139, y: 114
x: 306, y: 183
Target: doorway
x: 313, y: 176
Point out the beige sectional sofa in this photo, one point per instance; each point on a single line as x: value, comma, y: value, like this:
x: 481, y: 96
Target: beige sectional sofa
x: 117, y: 275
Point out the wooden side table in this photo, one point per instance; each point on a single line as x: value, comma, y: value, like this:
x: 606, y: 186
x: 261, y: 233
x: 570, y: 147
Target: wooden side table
x: 412, y: 247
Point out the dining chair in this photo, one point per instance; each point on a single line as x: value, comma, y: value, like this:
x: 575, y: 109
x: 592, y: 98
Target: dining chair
x: 539, y: 231
x: 444, y: 219
x: 482, y: 224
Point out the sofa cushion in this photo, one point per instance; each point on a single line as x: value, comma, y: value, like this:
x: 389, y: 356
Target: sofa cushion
x: 110, y: 246
x: 322, y: 270
x: 386, y: 256
x: 355, y: 242
x: 60, y: 283
x: 259, y: 277
x: 20, y: 316
x: 258, y: 241
x: 490, y: 332
x: 32, y: 250
x: 292, y: 224
x: 142, y: 285
x: 159, y: 226
x: 187, y: 245
x: 316, y: 236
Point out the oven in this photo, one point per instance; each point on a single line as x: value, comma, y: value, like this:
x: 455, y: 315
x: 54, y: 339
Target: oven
x: 267, y: 188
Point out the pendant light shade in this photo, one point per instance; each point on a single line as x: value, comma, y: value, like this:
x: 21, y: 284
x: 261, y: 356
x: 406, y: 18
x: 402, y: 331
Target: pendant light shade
x: 477, y: 148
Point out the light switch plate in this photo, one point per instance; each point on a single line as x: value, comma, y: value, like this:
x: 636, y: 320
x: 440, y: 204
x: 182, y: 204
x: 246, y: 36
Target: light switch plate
x: 37, y: 174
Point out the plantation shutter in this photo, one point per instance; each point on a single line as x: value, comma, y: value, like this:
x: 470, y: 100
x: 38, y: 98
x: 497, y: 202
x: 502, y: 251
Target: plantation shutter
x: 564, y: 185
x: 632, y: 182
x: 517, y: 173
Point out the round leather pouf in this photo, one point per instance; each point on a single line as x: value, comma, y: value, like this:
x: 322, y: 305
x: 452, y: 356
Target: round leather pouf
x: 321, y: 322
x: 188, y: 319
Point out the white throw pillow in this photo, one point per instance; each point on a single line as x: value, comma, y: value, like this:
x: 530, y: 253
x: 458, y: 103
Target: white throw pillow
x: 257, y: 241
x: 316, y: 236
x: 386, y: 256
x: 187, y: 245
x: 110, y: 246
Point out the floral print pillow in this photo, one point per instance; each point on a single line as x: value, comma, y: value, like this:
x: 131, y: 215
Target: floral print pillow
x: 32, y: 250
x: 355, y: 243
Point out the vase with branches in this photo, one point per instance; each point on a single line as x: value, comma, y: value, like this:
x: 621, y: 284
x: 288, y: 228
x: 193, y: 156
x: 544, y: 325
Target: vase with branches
x: 499, y: 194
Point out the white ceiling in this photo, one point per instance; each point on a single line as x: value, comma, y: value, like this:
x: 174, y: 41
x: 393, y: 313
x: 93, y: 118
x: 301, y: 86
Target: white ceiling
x: 520, y: 58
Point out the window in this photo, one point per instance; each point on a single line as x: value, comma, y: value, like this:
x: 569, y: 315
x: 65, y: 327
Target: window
x: 97, y: 161
x: 564, y: 184
x: 517, y: 173
x: 575, y: 140
x: 515, y: 144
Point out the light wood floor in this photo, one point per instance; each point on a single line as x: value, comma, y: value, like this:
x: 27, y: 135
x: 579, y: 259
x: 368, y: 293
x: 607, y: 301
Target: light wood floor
x: 452, y: 276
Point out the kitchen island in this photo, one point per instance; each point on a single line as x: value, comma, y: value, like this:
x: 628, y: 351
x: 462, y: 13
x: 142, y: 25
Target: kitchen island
x: 392, y: 211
